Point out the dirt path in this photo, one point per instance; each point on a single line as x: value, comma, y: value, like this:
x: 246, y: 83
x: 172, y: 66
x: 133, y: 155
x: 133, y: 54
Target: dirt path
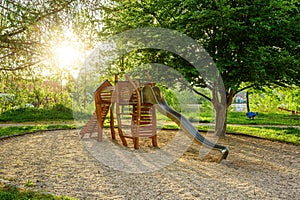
x: 58, y: 162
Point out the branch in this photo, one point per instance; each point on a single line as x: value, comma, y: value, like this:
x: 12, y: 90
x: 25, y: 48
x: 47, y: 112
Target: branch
x: 14, y: 51
x: 7, y: 55
x: 11, y: 42
x: 7, y: 9
x: 15, y: 32
x: 203, y: 95
x: 21, y: 67
x: 250, y: 86
x: 36, y: 19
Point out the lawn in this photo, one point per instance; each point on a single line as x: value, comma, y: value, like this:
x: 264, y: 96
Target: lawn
x: 264, y: 119
x: 289, y: 135
x: 11, y: 192
x: 241, y: 118
x: 16, y: 130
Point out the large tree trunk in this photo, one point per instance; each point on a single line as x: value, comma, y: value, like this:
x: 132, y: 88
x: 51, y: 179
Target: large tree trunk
x: 221, y: 104
x: 220, y: 124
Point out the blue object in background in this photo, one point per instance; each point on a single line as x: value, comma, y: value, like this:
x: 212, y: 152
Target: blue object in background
x: 251, y: 115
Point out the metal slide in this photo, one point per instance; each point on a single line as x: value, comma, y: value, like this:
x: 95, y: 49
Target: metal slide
x: 154, y: 96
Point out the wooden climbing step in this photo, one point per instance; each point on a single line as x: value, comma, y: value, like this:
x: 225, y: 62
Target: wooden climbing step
x: 90, y: 127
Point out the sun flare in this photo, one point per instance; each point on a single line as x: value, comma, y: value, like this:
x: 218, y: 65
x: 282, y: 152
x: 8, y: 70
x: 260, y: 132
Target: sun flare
x: 66, y: 55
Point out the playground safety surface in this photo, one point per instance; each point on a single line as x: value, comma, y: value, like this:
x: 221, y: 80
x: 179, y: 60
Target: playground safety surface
x: 57, y: 162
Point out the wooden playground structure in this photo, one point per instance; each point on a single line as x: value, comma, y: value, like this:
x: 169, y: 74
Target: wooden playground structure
x: 133, y: 116
x: 134, y: 104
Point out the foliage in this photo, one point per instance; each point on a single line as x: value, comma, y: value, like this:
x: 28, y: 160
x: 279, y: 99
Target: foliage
x: 34, y: 91
x: 29, y: 114
x: 269, y: 99
x: 11, y: 192
x: 171, y: 98
x: 256, y: 39
x: 28, y: 29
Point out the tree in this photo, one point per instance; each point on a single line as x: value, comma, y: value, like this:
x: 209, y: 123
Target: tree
x: 29, y: 30
x: 21, y: 27
x: 253, y: 43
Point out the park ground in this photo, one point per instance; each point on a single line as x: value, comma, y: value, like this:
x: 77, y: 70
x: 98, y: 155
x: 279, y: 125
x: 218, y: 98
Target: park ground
x: 57, y: 162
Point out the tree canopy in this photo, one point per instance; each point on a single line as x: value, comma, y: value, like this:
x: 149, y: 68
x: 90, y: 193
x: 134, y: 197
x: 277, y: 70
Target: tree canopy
x: 254, y: 43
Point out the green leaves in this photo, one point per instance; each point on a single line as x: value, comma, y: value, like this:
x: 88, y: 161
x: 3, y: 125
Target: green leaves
x: 254, y: 40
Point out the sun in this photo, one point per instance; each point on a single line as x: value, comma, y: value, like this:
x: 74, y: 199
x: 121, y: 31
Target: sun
x: 66, y: 55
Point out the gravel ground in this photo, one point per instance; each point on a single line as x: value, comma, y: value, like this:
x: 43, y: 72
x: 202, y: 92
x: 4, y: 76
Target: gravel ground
x: 59, y: 163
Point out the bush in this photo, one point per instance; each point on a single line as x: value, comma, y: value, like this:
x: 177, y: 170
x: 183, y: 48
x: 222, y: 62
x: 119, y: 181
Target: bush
x: 29, y: 114
x: 61, y: 108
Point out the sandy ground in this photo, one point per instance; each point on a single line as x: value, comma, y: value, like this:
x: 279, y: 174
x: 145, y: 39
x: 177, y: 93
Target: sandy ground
x: 59, y: 163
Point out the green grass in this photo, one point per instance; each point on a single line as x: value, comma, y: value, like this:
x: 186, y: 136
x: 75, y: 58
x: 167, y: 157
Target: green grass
x: 264, y: 119
x: 241, y: 118
x: 289, y: 135
x: 205, y: 116
x: 10, y: 192
x: 14, y: 130
x: 58, y: 112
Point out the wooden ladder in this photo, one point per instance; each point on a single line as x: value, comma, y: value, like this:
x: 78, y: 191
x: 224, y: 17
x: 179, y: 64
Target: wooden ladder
x: 90, y: 127
x: 102, y: 96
